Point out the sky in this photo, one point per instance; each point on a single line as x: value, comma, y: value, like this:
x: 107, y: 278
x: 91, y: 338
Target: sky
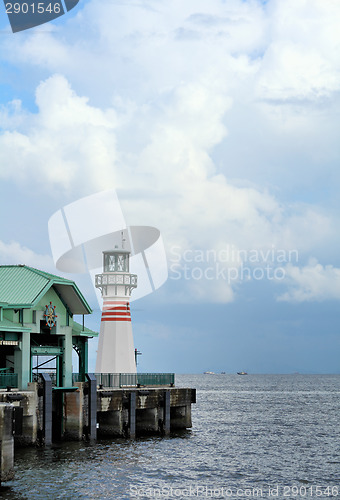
x: 215, y: 121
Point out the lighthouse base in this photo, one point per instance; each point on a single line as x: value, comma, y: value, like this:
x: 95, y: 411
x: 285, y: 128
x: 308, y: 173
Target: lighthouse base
x: 116, y: 353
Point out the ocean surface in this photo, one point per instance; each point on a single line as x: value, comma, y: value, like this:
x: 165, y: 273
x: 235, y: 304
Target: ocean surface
x: 254, y: 436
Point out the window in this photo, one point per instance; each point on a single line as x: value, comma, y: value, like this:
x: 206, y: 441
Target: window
x: 116, y: 262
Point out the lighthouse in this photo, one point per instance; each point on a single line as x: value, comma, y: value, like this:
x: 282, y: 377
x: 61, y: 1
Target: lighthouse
x: 115, y: 348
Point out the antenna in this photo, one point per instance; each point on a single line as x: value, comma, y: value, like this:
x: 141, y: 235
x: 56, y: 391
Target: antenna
x: 123, y: 240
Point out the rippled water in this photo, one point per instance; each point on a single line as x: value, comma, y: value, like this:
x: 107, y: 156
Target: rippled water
x: 251, y: 434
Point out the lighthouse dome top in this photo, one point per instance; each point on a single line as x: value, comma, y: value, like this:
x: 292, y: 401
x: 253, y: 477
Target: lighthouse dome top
x: 116, y: 249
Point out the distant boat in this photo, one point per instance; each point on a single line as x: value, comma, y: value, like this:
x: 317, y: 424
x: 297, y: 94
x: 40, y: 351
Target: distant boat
x: 209, y: 373
x: 242, y: 373
x: 222, y: 373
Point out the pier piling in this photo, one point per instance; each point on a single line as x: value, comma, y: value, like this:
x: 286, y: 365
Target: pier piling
x: 6, y: 442
x: 132, y: 416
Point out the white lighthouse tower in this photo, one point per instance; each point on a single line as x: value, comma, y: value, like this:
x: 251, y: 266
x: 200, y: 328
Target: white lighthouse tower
x: 115, y: 349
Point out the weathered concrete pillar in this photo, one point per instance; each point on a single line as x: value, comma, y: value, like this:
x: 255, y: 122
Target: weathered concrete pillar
x: 6, y: 443
x: 73, y: 413
x: 113, y: 413
x: 111, y: 423
x: 188, y: 421
x: 28, y: 401
x: 147, y: 420
x: 181, y: 417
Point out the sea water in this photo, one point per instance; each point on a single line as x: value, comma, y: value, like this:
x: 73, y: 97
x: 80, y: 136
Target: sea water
x: 253, y: 436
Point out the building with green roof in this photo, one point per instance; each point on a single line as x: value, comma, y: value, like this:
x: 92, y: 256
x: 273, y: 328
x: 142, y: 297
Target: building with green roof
x: 37, y: 330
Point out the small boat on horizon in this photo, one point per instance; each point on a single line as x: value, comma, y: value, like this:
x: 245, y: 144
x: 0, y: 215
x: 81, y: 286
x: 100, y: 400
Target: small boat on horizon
x: 242, y: 373
x: 209, y: 373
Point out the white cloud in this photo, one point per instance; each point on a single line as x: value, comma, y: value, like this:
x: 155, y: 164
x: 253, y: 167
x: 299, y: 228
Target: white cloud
x: 166, y: 86
x: 301, y: 61
x: 13, y: 254
x: 66, y: 143
x: 151, y: 45
x: 313, y: 282
x: 283, y: 50
x: 71, y: 145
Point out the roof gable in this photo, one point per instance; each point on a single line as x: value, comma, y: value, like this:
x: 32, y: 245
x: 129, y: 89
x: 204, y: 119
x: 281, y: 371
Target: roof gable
x: 23, y: 286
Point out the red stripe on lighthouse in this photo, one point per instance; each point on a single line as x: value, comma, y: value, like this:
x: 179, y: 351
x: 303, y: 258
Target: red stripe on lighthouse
x: 116, y: 311
x: 118, y: 318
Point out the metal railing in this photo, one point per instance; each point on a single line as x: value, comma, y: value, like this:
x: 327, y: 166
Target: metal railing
x: 156, y: 379
x: 131, y: 379
x: 116, y: 279
x: 103, y: 379
x: 8, y: 380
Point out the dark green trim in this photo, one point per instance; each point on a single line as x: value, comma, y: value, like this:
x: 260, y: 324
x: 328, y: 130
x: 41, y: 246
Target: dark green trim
x: 65, y: 389
x: 47, y: 351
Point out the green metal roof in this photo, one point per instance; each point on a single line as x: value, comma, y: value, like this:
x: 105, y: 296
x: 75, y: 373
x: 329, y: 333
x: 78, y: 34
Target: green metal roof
x: 78, y: 329
x: 9, y: 326
x: 23, y: 286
